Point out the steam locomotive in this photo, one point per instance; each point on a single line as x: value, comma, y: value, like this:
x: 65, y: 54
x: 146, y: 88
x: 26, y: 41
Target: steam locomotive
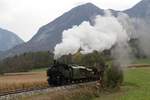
x: 62, y: 74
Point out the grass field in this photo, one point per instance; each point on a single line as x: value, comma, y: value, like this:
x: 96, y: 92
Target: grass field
x: 136, y: 87
x: 142, y: 61
x: 11, y: 82
x: 39, y: 70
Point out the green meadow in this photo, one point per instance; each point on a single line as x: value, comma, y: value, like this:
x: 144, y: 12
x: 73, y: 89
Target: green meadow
x: 136, y: 86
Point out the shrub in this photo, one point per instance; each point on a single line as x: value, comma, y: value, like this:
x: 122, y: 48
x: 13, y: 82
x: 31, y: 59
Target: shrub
x: 113, y: 77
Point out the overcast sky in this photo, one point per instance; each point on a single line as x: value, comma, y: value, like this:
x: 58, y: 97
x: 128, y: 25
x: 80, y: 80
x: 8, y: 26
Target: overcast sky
x: 25, y: 17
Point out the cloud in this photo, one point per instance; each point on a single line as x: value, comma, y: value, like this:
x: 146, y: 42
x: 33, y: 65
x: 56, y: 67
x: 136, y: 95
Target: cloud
x: 2, y: 6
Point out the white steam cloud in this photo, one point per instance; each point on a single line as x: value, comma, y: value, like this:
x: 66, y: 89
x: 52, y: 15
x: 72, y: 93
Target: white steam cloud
x: 122, y: 51
x: 142, y: 31
x: 106, y: 32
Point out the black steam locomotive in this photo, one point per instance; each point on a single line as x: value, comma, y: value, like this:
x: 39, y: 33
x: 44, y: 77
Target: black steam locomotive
x: 61, y: 74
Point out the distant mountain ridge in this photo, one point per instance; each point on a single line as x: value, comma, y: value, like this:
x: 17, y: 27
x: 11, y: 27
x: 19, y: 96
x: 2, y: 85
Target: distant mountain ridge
x: 140, y: 10
x: 50, y: 34
x: 8, y: 40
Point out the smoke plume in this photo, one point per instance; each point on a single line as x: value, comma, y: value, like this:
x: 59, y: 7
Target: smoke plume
x: 142, y: 31
x: 106, y: 32
x: 122, y: 52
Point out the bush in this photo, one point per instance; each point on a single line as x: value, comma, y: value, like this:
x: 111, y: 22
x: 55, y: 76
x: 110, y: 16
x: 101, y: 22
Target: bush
x: 113, y: 77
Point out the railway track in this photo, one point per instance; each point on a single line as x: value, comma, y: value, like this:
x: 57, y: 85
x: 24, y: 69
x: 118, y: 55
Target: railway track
x: 28, y: 92
x: 20, y: 91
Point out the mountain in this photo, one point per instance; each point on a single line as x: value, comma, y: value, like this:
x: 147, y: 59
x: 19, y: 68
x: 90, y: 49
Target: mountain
x: 140, y: 10
x: 140, y: 15
x: 49, y: 35
x: 8, y: 40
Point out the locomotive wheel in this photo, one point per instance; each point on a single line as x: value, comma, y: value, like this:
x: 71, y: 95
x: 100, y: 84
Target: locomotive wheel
x: 58, y: 79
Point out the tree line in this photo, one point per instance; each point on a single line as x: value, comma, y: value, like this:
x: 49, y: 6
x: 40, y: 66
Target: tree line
x: 36, y: 60
x: 26, y: 62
